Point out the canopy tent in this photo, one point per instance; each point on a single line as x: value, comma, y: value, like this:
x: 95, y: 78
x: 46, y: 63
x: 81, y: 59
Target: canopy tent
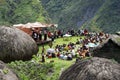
x: 18, y: 25
x: 32, y: 25
x: 36, y: 26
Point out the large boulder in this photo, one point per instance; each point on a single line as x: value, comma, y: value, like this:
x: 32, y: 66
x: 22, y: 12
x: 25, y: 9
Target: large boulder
x: 110, y: 48
x: 16, y: 45
x: 92, y: 69
x: 6, y: 73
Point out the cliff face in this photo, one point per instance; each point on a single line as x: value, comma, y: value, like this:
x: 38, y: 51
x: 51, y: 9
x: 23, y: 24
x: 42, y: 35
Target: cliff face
x: 95, y: 15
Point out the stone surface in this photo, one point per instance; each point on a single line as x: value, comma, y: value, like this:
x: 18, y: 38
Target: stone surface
x: 92, y: 69
x: 6, y: 73
x: 16, y: 45
x: 109, y: 49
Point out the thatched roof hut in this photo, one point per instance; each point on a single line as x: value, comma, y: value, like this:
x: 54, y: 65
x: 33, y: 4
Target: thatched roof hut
x: 92, y: 69
x: 109, y: 49
x: 16, y: 45
x: 6, y: 73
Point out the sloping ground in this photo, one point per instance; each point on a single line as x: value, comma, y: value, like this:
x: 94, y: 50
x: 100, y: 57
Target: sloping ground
x: 93, y: 69
x: 107, y: 17
x: 109, y: 49
x: 95, y: 15
x: 28, y: 70
x: 6, y: 73
x: 71, y: 13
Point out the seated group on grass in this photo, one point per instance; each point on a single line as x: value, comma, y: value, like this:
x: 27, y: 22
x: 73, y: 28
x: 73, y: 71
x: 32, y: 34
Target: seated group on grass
x: 65, y: 52
x: 71, y: 50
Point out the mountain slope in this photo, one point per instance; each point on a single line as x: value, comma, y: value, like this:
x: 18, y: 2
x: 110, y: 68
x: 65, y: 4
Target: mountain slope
x: 71, y: 13
x: 107, y: 18
x: 21, y: 11
x: 95, y: 15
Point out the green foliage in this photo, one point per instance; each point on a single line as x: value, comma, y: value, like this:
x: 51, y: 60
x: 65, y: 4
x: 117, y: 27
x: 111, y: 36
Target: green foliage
x: 30, y: 70
x: 22, y: 11
x: 71, y: 13
x: 113, y: 60
x: 60, y: 41
x: 107, y: 17
x: 95, y: 15
x: 34, y: 70
x: 5, y: 71
x: 59, y: 67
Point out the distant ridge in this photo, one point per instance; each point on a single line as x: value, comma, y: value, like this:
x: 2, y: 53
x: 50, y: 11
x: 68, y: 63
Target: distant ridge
x: 95, y: 15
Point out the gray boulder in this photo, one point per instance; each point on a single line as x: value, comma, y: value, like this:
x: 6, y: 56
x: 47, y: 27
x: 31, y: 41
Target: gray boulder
x: 6, y: 73
x: 92, y: 69
x: 16, y: 45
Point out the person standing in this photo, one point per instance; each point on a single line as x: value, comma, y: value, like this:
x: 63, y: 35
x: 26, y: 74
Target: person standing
x: 43, y: 57
x: 40, y: 35
x: 45, y: 35
x: 34, y: 35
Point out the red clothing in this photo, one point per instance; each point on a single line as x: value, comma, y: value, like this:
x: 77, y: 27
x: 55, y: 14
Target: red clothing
x: 49, y: 34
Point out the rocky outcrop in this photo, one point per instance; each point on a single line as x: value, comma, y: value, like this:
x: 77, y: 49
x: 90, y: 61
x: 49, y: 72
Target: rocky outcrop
x: 109, y: 49
x: 16, y: 45
x: 92, y: 69
x: 6, y: 73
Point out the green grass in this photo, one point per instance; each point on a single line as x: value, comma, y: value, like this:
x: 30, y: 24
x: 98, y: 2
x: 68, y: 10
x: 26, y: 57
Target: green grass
x: 42, y: 71
x: 59, y: 65
x: 60, y: 41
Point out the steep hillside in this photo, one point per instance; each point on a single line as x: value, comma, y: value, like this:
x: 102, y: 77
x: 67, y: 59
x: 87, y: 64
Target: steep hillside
x: 21, y: 11
x: 71, y: 13
x: 107, y: 18
x: 96, y: 15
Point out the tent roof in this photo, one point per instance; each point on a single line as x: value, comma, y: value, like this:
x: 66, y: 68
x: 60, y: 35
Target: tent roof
x: 16, y: 25
x: 34, y: 25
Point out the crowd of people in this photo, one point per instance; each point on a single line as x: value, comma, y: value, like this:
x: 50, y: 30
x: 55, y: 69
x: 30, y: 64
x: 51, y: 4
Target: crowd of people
x: 40, y: 35
x: 37, y: 35
x: 81, y: 48
x: 90, y: 42
x: 65, y: 52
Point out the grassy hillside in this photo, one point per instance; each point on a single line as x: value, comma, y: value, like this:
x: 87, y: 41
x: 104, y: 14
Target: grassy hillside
x: 21, y: 11
x: 96, y: 15
x: 35, y: 70
x: 107, y: 17
x: 71, y: 13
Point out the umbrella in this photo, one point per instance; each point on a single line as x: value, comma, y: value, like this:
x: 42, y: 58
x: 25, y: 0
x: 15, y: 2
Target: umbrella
x: 97, y: 44
x: 50, y: 50
x: 67, y: 35
x: 91, y: 45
